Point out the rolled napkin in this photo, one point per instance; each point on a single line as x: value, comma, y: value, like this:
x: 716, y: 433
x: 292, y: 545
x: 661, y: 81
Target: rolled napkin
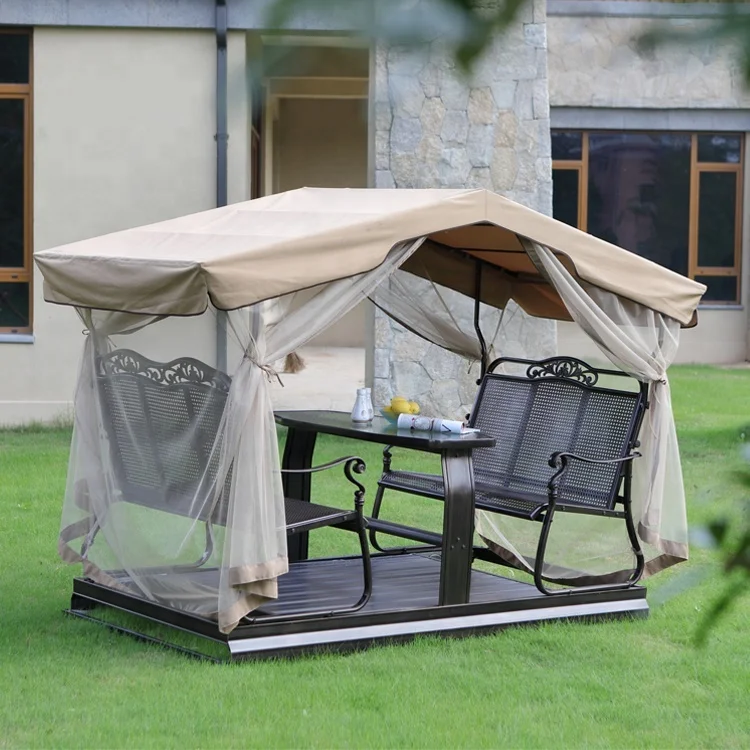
x: 427, y: 424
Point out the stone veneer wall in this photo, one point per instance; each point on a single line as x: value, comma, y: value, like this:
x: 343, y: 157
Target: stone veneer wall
x: 594, y: 62
x: 435, y: 128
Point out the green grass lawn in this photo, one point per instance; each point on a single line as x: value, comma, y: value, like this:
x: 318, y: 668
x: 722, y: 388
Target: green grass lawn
x: 68, y: 683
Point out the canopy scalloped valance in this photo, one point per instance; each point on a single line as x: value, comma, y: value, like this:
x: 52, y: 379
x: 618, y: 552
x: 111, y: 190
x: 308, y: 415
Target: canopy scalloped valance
x: 235, y: 256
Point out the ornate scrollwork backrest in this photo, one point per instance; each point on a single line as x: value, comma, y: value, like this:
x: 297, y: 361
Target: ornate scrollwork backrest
x: 183, y: 370
x: 567, y: 368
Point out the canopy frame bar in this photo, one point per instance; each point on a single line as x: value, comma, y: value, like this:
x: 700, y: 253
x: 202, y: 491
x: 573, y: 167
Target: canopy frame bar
x: 477, y: 327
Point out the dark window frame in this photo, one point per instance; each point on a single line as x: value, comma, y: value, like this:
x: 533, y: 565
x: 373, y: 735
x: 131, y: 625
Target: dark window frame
x: 23, y: 274
x: 696, y: 169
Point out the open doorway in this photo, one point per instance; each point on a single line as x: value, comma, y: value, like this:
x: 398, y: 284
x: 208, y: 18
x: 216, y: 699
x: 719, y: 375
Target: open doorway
x: 311, y: 126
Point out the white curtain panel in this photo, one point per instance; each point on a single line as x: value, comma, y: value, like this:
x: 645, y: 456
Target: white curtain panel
x: 642, y: 343
x: 636, y: 340
x: 133, y: 545
x: 430, y: 311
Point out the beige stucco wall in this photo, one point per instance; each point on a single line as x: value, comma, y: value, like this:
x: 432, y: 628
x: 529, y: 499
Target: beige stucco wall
x: 124, y: 125
x: 593, y: 63
x: 719, y: 338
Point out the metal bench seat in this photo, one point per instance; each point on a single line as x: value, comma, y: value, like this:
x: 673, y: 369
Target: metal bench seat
x: 303, y: 516
x: 564, y: 442
x: 485, y: 498
x: 162, y: 421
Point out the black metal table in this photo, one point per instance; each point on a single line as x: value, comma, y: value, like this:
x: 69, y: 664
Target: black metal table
x: 455, y: 453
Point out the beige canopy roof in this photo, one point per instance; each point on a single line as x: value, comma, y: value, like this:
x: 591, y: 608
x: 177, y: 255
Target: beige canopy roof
x: 247, y: 252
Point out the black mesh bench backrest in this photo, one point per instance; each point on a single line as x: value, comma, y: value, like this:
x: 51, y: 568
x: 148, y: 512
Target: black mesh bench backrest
x: 556, y: 405
x: 162, y: 420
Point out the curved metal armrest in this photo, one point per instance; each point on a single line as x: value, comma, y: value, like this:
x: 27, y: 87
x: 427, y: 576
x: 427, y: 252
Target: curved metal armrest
x: 329, y: 465
x: 352, y: 465
x: 561, y: 458
x: 387, y: 457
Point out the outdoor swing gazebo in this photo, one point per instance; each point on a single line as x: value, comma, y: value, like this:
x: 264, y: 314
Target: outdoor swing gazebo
x: 179, y: 507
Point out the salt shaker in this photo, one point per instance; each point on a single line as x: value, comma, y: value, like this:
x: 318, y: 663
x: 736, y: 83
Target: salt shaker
x: 362, y: 411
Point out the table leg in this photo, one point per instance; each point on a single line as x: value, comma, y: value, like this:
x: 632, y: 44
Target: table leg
x: 458, y: 528
x: 298, y: 454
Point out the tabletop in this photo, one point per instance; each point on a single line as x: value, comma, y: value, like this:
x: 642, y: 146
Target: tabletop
x: 380, y: 430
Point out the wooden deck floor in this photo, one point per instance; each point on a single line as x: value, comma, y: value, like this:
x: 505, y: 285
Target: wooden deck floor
x: 400, y: 582
x: 404, y: 604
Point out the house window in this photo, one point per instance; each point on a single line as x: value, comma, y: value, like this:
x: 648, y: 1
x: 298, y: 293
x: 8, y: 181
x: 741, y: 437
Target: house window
x: 15, y: 182
x: 674, y: 198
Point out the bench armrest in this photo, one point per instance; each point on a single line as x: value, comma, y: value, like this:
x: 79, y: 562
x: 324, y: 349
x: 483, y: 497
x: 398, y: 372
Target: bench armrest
x: 560, y: 459
x: 358, y: 463
x: 352, y: 465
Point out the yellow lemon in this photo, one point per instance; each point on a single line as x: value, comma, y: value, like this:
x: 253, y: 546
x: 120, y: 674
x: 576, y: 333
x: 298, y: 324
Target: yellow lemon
x: 413, y: 407
x: 400, y: 405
